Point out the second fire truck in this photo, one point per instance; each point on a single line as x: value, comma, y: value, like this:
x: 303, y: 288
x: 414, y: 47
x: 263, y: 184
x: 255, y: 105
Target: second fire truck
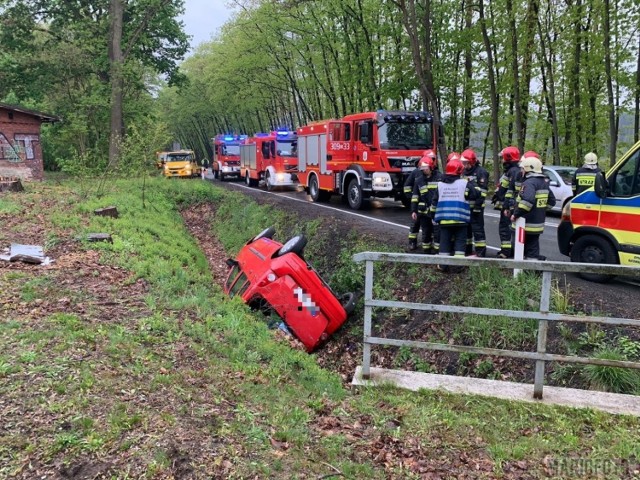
x: 363, y: 155
x: 226, y: 156
x: 271, y: 158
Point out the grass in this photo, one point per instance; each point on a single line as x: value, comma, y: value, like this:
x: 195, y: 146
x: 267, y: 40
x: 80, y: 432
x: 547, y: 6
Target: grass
x: 173, y: 375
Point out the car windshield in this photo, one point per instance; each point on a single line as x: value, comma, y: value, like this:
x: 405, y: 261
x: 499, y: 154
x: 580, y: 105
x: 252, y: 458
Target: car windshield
x: 186, y: 157
x: 240, y: 286
x: 405, y: 136
x: 566, y: 174
x: 231, y: 150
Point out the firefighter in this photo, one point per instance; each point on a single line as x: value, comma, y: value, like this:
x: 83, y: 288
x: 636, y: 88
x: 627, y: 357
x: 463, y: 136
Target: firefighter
x: 473, y: 171
x: 451, y: 208
x: 503, y: 198
x: 423, y: 191
x: 409, y: 184
x: 534, y: 198
x: 584, y: 177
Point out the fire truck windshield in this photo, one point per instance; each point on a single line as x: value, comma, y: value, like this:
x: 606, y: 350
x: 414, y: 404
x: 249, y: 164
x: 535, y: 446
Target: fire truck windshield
x: 405, y: 136
x: 231, y: 150
x: 287, y: 148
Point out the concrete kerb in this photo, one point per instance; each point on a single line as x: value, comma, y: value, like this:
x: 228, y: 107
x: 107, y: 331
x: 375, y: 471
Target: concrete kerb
x: 569, y: 397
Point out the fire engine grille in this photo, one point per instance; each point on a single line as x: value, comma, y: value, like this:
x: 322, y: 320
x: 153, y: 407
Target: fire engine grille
x: 290, y: 168
x: 403, y: 162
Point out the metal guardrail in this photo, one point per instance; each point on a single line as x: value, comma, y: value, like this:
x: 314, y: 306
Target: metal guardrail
x: 543, y: 315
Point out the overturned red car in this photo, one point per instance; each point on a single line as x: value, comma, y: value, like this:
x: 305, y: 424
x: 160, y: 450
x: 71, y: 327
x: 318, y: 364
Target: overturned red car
x: 268, y: 274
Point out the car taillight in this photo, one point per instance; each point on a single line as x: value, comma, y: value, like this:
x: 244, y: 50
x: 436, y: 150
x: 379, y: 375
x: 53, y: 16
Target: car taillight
x: 566, y: 211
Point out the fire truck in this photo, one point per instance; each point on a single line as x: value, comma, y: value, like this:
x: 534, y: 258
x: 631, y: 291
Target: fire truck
x: 363, y: 155
x: 271, y: 158
x: 226, y: 156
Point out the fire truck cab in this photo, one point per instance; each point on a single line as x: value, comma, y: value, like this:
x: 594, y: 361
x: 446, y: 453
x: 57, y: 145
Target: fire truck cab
x: 226, y: 156
x: 271, y: 159
x: 363, y: 155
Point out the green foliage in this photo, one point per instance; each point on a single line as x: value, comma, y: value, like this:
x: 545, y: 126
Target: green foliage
x: 612, y: 379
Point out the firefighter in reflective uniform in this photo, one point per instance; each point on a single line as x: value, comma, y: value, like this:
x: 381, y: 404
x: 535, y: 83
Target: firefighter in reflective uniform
x: 451, y: 208
x: 476, y: 236
x: 584, y: 177
x: 503, y: 198
x: 534, y: 198
x: 423, y: 192
x: 409, y: 183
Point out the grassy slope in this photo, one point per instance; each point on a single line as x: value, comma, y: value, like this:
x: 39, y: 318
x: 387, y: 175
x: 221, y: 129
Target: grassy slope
x: 127, y: 363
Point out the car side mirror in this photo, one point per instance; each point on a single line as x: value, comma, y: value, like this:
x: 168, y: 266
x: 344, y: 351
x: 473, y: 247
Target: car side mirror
x: 600, y: 185
x: 554, y: 183
x: 231, y: 262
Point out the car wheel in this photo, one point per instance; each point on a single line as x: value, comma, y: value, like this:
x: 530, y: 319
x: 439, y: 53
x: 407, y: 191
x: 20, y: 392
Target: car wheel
x: 268, y: 182
x: 247, y: 179
x: 354, y: 194
x: 348, y: 302
x: 594, y: 249
x: 294, y: 245
x: 266, y: 233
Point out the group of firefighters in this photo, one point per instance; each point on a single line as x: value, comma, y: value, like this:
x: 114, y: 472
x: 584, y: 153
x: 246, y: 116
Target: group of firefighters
x: 449, y: 207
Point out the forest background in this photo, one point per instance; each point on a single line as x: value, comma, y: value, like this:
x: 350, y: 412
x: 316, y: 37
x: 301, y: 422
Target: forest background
x: 558, y: 76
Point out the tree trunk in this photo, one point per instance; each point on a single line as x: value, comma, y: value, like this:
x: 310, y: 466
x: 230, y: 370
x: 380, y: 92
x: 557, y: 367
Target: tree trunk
x: 116, y: 60
x: 516, y: 79
x: 636, y: 119
x: 613, y: 134
x: 495, y: 132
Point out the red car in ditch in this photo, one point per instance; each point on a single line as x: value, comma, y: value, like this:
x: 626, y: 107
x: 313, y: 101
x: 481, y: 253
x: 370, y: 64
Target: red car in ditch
x: 268, y: 274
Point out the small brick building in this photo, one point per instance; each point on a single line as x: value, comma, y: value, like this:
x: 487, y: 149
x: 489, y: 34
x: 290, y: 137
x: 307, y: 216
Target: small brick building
x: 20, y: 149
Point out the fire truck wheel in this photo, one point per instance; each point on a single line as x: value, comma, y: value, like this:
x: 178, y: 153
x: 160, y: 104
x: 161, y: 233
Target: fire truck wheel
x: 221, y: 176
x: 314, y: 189
x: 354, y: 194
x: 594, y: 249
x: 348, y: 302
x: 266, y: 233
x: 247, y: 179
x: 268, y: 182
x: 294, y: 245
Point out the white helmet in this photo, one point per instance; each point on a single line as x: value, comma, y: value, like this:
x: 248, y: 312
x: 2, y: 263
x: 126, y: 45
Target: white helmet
x: 590, y: 159
x: 531, y: 164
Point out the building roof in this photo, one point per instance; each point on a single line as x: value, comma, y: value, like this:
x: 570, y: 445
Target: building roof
x: 44, y: 117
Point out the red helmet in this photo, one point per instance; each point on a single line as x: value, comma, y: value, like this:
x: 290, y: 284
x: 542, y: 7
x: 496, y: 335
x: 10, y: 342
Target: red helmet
x: 453, y: 156
x: 429, y: 153
x: 530, y: 154
x: 454, y: 167
x: 510, y: 155
x: 426, y: 162
x: 469, y: 156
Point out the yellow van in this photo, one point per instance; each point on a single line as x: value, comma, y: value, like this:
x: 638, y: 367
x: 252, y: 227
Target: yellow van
x: 181, y: 163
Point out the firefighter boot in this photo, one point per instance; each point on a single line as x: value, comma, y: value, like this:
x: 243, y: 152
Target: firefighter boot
x: 481, y: 252
x: 413, y: 245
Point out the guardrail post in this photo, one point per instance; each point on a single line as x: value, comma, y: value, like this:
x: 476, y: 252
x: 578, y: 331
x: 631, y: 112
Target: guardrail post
x: 543, y: 325
x: 368, y: 296
x: 518, y: 244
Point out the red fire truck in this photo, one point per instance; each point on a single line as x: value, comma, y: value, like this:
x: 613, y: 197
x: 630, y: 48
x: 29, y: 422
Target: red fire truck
x: 363, y: 155
x: 226, y: 156
x: 271, y: 158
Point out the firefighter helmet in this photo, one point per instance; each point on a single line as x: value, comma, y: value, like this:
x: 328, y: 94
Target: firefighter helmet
x: 531, y: 164
x: 510, y: 155
x: 454, y: 167
x: 591, y: 159
x: 426, y: 162
x: 453, y: 156
x: 530, y: 154
x: 429, y: 153
x: 469, y: 156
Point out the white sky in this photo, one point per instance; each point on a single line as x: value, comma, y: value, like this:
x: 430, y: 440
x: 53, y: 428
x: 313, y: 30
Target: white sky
x: 203, y: 18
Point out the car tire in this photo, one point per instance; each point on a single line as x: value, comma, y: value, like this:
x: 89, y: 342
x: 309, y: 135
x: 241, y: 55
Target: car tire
x: 247, y: 179
x: 348, y: 302
x: 294, y: 245
x: 354, y: 194
x: 594, y: 249
x: 266, y: 233
x: 267, y: 181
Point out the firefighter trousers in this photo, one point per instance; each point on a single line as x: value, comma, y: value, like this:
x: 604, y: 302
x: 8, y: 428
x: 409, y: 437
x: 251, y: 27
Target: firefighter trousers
x: 504, y: 230
x: 414, y: 228
x: 476, y: 235
x: 453, y: 239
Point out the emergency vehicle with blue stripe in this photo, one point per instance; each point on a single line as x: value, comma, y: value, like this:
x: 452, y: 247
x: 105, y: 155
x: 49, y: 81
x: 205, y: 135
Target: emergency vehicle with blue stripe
x: 602, y: 224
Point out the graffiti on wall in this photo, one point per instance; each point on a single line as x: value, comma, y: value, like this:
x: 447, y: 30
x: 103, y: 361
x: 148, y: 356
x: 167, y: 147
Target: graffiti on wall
x: 20, y: 150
